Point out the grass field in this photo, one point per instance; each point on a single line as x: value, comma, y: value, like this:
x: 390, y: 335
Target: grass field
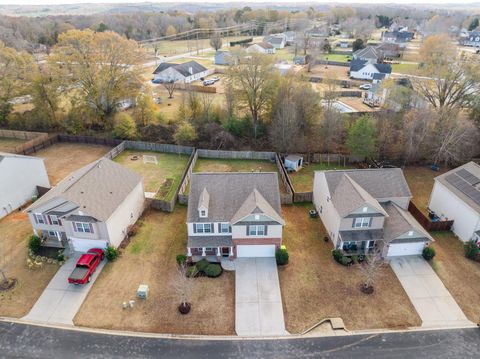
x: 150, y: 259
x: 302, y: 180
x: 14, y: 232
x: 63, y: 158
x: 9, y: 144
x: 408, y: 69
x: 315, y: 287
x: 337, y: 57
x: 167, y: 172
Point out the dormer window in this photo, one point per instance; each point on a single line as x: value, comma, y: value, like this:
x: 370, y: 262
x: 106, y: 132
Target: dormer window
x: 203, y: 213
x: 410, y: 233
x: 203, y: 203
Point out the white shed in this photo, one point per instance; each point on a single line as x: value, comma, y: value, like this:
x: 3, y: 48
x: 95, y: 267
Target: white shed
x: 19, y: 178
x: 293, y: 162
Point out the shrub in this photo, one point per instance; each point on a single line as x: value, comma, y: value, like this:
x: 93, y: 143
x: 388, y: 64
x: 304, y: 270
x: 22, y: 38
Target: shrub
x: 192, y: 271
x: 202, y: 265
x: 281, y: 256
x: 132, y: 230
x: 337, y: 255
x: 345, y: 261
x: 34, y: 243
x: 181, y: 259
x: 471, y: 249
x: 125, y: 127
x: 428, y: 253
x: 354, y: 258
x: 213, y: 270
x: 60, y: 256
x: 111, y: 253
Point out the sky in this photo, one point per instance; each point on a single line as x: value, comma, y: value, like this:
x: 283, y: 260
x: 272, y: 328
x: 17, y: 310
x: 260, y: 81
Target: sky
x: 57, y: 2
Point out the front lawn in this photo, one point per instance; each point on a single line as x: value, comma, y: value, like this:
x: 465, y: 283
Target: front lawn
x: 314, y: 286
x: 302, y: 180
x: 167, y: 171
x: 409, y: 69
x: 150, y: 259
x: 460, y: 275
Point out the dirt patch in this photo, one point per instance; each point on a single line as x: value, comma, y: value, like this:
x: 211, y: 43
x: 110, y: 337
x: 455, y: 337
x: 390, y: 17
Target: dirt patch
x: 9, y: 144
x: 150, y: 259
x: 165, y: 188
x: 8, y: 284
x: 314, y: 286
x: 61, y: 159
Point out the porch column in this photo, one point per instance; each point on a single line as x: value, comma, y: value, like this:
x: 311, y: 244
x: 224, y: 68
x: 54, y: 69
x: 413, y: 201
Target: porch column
x: 203, y: 252
x: 57, y: 233
x: 189, y: 252
x: 231, y: 252
x: 218, y: 252
x: 35, y: 232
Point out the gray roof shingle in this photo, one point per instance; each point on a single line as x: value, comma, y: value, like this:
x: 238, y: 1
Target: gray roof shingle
x: 400, y: 222
x: 184, y: 68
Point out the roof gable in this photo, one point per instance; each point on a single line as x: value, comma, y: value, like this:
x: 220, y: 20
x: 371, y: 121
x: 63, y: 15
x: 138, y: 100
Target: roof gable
x: 256, y: 203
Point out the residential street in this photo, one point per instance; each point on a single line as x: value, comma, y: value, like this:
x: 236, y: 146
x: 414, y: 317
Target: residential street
x: 25, y: 341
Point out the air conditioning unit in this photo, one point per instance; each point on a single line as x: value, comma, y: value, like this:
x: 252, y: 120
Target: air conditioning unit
x: 142, y: 291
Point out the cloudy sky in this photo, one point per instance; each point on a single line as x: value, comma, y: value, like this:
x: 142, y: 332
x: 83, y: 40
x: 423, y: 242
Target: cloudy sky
x: 42, y: 2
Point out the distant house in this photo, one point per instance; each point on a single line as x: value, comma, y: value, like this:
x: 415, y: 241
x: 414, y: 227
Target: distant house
x: 344, y: 44
x: 375, y: 96
x: 301, y: 59
x: 473, y: 39
x: 388, y: 49
x: 225, y: 58
x: 369, y: 54
x: 364, y: 70
x: 290, y: 37
x: 19, y: 178
x: 91, y: 207
x: 262, y: 48
x: 187, y: 72
x: 278, y: 41
x: 397, y: 36
x: 318, y: 31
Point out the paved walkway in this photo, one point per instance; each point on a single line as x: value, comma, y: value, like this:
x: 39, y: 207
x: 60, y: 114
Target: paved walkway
x: 60, y: 301
x: 258, y: 302
x: 432, y: 301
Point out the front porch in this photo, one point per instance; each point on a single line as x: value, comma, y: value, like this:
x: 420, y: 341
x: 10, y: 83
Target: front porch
x: 52, y: 239
x: 358, y: 248
x: 211, y: 254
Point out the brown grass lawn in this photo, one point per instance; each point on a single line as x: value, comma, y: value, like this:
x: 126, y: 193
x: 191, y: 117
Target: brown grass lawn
x: 420, y: 180
x: 314, y: 286
x: 14, y: 231
x: 63, y: 158
x: 150, y: 259
x: 9, y: 144
x: 302, y: 180
x: 459, y: 274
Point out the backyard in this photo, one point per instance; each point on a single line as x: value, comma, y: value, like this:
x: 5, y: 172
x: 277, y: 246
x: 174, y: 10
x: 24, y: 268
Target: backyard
x: 63, y: 158
x: 337, y: 57
x: 14, y: 232
x: 150, y: 259
x: 302, y: 180
x: 314, y: 286
x: 163, y: 176
x: 9, y: 144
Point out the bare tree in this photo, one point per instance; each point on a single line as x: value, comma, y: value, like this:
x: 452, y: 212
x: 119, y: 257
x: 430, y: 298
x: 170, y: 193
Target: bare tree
x: 183, y: 285
x: 216, y: 42
x: 371, y: 270
x: 170, y: 86
x: 206, y: 100
x: 229, y: 98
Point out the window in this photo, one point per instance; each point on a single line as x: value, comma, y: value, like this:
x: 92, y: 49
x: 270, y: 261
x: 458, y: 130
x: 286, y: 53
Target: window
x: 39, y: 218
x: 203, y: 227
x: 83, y: 227
x: 258, y: 230
x: 54, y: 220
x: 203, y: 213
x: 361, y: 222
x: 364, y: 209
x: 225, y: 228
x: 52, y: 234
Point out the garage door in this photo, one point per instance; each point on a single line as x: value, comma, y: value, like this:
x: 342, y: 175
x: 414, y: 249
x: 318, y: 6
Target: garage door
x: 256, y: 251
x: 83, y: 245
x: 405, y: 249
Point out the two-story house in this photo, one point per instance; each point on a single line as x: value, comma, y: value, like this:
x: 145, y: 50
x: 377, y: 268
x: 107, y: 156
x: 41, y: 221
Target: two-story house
x: 364, y: 210
x: 233, y: 215
x: 91, y: 207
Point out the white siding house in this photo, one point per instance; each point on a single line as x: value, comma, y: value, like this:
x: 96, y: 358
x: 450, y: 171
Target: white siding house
x: 187, y: 72
x: 19, y: 178
x: 365, y: 70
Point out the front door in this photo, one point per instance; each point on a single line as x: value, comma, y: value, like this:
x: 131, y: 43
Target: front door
x: 225, y: 251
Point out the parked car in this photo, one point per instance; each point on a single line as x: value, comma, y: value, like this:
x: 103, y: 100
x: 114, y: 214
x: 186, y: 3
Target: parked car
x: 215, y: 79
x: 365, y: 87
x: 86, y: 265
x: 345, y: 84
x: 208, y: 82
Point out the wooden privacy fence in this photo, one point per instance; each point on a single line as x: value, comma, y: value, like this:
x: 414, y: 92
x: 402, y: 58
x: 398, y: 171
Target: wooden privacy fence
x: 31, y: 138
x: 285, y: 198
x: 426, y: 222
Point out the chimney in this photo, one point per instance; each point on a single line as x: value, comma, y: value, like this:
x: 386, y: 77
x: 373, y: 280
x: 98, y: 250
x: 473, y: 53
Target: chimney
x: 190, y: 70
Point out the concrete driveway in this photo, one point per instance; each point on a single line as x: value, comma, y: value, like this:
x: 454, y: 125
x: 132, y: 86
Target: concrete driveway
x: 258, y: 302
x: 432, y: 301
x: 60, y: 301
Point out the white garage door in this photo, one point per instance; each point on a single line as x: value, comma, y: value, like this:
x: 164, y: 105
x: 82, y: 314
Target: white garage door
x: 83, y: 245
x: 256, y: 251
x: 405, y: 249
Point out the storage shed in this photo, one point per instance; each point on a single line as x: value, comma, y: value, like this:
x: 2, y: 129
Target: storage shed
x: 293, y: 162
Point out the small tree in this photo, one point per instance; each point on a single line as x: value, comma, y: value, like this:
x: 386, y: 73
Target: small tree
x: 185, y: 134
x: 371, y: 271
x: 183, y: 285
x: 471, y: 249
x: 216, y: 42
x: 170, y: 86
x: 362, y: 137
x: 358, y: 44
x: 125, y: 127
x: 144, y: 111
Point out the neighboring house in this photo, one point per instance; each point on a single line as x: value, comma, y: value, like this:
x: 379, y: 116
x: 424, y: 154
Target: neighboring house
x: 456, y: 196
x: 290, y: 37
x: 375, y: 96
x: 388, y: 50
x: 369, y: 54
x: 367, y: 210
x: 225, y: 58
x: 318, y: 31
x: 186, y: 72
x: 397, y: 36
x: 233, y: 215
x: 301, y: 59
x: 473, y: 39
x: 364, y: 70
x: 262, y: 48
x: 344, y: 44
x: 278, y: 41
x: 91, y: 207
x: 19, y: 178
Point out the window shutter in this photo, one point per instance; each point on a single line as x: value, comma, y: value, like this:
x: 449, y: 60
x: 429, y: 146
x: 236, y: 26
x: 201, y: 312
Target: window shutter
x: 353, y: 223
x: 266, y: 229
x: 194, y: 228
x: 59, y: 222
x: 248, y: 230
x: 370, y: 223
x: 229, y: 229
x: 91, y: 228
x: 212, y: 226
x: 45, y: 219
x: 35, y: 218
x: 49, y: 220
x: 74, y: 227
x: 219, y: 228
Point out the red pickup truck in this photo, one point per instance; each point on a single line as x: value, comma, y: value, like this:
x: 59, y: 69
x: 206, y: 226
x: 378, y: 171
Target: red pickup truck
x: 86, y: 265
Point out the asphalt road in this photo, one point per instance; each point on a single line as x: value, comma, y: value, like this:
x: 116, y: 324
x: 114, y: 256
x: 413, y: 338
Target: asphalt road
x: 26, y: 341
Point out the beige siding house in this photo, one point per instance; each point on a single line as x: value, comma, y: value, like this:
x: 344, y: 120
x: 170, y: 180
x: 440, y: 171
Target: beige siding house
x: 92, y: 207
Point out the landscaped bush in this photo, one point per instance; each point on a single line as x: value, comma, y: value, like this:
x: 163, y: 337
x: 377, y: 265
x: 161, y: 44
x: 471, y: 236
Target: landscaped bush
x: 60, y: 256
x: 281, y: 256
x: 34, y: 243
x: 213, y: 270
x: 181, y: 259
x: 345, y: 261
x: 192, y: 271
x: 471, y: 250
x: 337, y: 255
x: 428, y: 253
x: 202, y: 265
x: 111, y: 253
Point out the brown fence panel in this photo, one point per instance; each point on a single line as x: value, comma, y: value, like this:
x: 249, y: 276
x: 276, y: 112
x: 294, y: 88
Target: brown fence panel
x: 426, y: 222
x: 162, y: 205
x: 114, y: 152
x: 299, y: 197
x: 285, y: 198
